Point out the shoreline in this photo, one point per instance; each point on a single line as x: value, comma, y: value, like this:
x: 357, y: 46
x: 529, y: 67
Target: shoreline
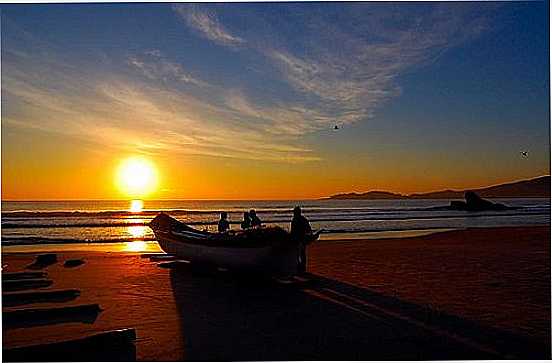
x: 149, y: 244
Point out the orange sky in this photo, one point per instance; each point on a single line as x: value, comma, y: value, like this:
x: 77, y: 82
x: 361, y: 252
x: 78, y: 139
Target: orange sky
x: 86, y: 171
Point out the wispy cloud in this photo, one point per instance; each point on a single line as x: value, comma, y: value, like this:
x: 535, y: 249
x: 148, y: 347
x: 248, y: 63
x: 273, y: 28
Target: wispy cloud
x: 278, y: 119
x: 120, y: 112
x: 343, y: 71
x: 155, y: 66
x: 207, y: 24
x: 313, y: 72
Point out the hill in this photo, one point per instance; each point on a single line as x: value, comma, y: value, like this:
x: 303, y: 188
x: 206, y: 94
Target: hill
x: 532, y: 188
x: 369, y: 195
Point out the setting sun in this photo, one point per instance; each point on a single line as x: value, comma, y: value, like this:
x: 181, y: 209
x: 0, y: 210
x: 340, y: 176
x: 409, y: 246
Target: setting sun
x: 136, y: 176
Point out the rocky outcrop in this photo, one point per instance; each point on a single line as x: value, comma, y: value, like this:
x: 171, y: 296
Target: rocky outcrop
x: 474, y: 203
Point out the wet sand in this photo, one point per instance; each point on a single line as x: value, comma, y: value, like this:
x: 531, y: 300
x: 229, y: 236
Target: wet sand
x: 473, y: 294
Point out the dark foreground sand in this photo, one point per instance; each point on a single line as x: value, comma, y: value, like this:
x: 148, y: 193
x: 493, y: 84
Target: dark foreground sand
x: 474, y: 294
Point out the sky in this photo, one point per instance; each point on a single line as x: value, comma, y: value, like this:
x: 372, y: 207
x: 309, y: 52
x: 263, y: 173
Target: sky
x: 240, y: 101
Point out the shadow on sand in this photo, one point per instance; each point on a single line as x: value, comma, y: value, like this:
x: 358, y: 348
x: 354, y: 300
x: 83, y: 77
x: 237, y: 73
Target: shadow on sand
x: 33, y: 297
x: 26, y: 318
x: 225, y: 317
x: 117, y: 345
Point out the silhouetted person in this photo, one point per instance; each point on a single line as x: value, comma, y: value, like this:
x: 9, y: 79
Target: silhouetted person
x: 246, y: 223
x: 223, y: 224
x: 255, y: 221
x: 300, y: 228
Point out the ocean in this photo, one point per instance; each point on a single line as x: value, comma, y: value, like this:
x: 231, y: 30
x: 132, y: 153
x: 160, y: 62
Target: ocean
x: 63, y: 222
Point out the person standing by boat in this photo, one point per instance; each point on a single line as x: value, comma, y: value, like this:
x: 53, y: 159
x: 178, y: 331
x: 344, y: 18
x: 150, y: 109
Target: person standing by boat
x: 255, y: 221
x: 223, y: 224
x: 246, y: 223
x: 300, y: 228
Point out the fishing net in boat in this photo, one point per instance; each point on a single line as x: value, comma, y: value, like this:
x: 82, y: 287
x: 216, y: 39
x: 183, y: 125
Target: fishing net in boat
x: 257, y: 236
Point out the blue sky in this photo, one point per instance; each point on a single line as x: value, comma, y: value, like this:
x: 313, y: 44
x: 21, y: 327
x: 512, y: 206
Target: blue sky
x: 424, y: 87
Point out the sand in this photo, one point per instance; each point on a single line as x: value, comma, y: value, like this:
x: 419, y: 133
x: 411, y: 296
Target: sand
x: 498, y: 277
x: 473, y: 294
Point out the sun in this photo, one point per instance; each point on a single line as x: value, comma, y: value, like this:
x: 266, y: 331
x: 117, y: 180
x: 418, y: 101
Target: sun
x: 136, y: 177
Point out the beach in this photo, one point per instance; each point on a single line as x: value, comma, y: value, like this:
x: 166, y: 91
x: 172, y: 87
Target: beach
x: 276, y: 182
x: 478, y: 293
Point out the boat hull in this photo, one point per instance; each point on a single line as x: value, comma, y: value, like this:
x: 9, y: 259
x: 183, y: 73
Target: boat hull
x: 278, y: 260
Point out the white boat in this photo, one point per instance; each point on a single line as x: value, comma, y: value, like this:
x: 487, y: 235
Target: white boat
x: 269, y: 250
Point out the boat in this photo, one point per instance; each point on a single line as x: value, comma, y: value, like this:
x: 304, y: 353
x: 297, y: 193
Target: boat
x: 270, y: 250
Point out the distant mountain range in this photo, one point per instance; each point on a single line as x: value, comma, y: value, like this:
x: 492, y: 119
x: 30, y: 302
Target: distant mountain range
x: 532, y: 188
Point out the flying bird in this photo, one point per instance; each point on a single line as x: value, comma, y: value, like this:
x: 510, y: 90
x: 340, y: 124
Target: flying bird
x: 336, y: 127
x: 524, y: 154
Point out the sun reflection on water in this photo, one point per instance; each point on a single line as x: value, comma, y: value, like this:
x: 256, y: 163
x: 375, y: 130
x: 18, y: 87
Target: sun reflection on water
x: 136, y: 246
x: 136, y: 205
x: 137, y: 231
